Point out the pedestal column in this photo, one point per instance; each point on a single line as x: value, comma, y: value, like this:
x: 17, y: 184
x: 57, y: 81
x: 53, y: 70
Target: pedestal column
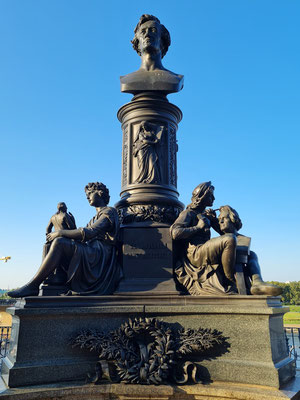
x: 149, y: 170
x: 149, y: 198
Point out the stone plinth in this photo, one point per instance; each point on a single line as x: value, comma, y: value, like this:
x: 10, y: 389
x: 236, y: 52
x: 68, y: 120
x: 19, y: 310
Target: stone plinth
x: 252, y: 325
x: 212, y: 391
x: 149, y: 198
x: 147, y: 258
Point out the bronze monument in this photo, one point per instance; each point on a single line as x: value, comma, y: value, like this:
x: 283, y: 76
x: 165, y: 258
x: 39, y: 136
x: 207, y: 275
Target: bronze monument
x: 151, y: 216
x: 177, y: 309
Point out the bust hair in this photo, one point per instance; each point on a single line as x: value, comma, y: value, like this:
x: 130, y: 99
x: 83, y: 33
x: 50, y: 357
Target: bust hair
x: 199, y: 192
x: 233, y: 215
x: 98, y: 187
x: 165, y: 39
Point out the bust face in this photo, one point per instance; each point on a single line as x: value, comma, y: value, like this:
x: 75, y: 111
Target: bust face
x: 226, y: 225
x: 149, y: 35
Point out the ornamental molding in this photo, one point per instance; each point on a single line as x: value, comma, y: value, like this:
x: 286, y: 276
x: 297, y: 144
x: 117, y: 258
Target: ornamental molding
x: 150, y: 351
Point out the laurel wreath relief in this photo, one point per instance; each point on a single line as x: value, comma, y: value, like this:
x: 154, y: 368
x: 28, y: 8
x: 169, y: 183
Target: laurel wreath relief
x: 149, y: 351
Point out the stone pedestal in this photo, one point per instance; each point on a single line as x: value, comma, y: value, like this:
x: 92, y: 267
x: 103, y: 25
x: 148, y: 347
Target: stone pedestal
x: 147, y: 260
x: 253, y: 327
x: 212, y: 391
x: 149, y: 199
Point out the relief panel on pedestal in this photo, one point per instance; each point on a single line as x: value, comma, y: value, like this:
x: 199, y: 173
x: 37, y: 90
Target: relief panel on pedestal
x: 149, y: 154
x: 125, y: 158
x: 149, y: 160
x: 148, y: 149
x: 173, y: 148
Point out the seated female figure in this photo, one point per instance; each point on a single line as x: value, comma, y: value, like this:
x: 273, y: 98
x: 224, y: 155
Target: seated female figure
x: 88, y: 255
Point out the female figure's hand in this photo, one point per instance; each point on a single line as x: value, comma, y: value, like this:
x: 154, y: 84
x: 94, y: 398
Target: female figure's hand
x: 203, y: 222
x: 53, y: 235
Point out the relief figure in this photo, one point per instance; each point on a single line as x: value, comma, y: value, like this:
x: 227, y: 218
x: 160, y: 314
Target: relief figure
x: 145, y: 151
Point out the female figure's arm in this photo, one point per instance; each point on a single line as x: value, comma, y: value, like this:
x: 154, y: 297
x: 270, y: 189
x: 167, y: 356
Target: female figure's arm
x: 49, y: 227
x: 71, y: 234
x: 214, y: 222
x: 150, y: 142
x: 99, y: 228
x: 184, y: 227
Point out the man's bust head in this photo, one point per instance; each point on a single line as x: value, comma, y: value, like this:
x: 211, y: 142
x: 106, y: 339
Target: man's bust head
x: 151, y: 41
x: 150, y: 36
x: 229, y: 220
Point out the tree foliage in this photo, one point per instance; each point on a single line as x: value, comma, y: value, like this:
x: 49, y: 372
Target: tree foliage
x: 291, y: 292
x: 4, y: 295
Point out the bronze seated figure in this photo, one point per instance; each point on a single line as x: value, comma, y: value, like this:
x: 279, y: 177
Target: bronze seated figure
x: 207, y: 266
x: 88, y: 255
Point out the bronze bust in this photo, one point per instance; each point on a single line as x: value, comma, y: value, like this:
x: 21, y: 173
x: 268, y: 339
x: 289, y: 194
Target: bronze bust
x: 151, y: 41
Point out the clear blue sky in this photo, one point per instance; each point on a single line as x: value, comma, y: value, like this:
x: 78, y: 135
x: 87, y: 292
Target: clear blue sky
x: 60, y: 92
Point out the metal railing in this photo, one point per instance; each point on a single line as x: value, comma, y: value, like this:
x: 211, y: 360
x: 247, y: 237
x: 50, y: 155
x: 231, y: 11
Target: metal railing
x: 292, y: 337
x: 5, y: 332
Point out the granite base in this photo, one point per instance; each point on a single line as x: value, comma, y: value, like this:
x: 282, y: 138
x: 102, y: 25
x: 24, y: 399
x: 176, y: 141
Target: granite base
x: 212, y: 391
x: 253, y: 325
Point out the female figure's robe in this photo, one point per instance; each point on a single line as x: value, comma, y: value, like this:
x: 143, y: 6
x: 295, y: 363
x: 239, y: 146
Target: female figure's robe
x: 93, y: 267
x: 147, y: 160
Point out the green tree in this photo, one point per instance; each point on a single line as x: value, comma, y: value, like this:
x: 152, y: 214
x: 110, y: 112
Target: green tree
x: 295, y: 292
x: 4, y: 295
x: 286, y: 291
